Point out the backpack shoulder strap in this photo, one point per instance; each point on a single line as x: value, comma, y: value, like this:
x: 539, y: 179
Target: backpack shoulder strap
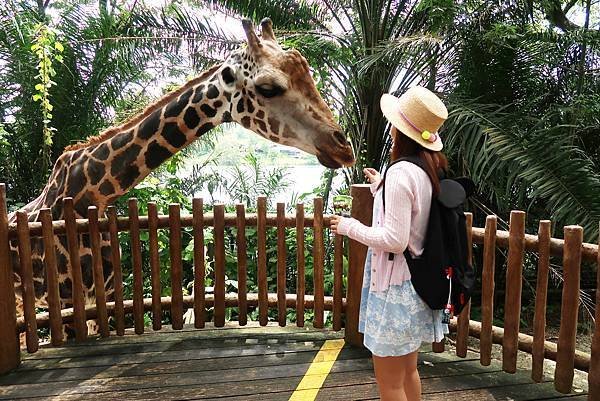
x: 412, y: 159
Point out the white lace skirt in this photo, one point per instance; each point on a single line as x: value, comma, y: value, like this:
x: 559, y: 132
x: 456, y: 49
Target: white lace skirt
x: 395, y: 322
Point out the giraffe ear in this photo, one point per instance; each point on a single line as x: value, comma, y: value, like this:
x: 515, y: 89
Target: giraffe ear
x: 267, y: 29
x: 253, y: 40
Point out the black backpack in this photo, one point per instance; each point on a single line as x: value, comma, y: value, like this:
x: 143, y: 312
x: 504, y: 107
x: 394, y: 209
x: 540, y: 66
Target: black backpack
x: 443, y: 276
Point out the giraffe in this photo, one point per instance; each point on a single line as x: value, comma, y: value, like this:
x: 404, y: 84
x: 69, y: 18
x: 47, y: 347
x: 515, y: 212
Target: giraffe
x: 261, y: 86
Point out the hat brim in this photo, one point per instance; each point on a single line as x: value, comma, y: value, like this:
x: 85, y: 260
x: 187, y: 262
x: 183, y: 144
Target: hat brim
x: 389, y: 108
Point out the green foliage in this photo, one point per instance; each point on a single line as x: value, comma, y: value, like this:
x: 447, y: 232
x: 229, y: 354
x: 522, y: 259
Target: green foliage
x: 47, y: 49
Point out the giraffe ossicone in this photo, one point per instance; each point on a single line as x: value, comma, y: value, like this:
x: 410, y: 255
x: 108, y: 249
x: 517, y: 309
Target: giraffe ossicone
x: 261, y: 86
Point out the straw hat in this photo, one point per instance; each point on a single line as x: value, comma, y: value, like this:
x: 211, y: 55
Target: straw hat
x: 418, y: 114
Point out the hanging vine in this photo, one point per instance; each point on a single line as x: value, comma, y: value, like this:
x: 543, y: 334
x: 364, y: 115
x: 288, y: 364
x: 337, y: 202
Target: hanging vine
x: 47, y: 49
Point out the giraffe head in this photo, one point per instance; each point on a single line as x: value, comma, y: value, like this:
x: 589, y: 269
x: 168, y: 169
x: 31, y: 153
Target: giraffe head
x: 276, y: 97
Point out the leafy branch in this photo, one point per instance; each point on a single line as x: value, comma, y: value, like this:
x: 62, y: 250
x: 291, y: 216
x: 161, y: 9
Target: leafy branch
x: 47, y: 49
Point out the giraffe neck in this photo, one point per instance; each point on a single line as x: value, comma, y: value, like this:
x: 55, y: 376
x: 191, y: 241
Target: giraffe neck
x: 110, y: 165
x: 134, y: 153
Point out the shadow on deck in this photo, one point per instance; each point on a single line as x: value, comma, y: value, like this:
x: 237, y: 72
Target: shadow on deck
x: 244, y: 363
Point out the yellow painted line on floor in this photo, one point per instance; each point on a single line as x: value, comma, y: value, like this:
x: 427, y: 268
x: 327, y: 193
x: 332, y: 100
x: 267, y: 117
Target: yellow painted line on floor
x: 317, y: 372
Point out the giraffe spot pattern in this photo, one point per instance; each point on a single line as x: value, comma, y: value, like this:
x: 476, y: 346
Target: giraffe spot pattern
x: 175, y: 107
x: 96, y: 171
x: 246, y: 122
x: 107, y: 188
x: 156, y: 154
x: 274, y: 124
x: 198, y: 93
x: 120, y: 140
x: 76, y: 180
x: 66, y: 288
x: 240, y: 105
x: 261, y: 124
x: 204, y: 129
x: 124, y: 159
x: 128, y: 177
x: 173, y: 135
x: 150, y: 125
x: 191, y: 117
x: 81, y: 207
x: 227, y: 74
x: 208, y: 111
x: 212, y: 92
x: 227, y: 117
x: 250, y: 105
x: 102, y: 152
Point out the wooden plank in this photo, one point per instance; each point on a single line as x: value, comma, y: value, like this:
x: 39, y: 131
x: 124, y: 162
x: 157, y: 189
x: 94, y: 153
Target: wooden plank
x: 154, y: 265
x: 318, y: 263
x: 76, y: 275
x: 541, y: 297
x: 261, y: 233
x: 199, y: 263
x: 594, y: 373
x: 136, y: 261
x: 300, y: 275
x: 514, y: 281
x: 338, y: 272
x: 272, y: 382
x: 115, y: 257
x: 219, y: 235
x: 185, y: 348
x: 487, y: 290
x: 124, y: 378
x: 242, y: 262
x: 362, y: 210
x: 462, y: 334
x: 143, y: 368
x: 565, y: 358
x: 176, y: 267
x: 98, y: 272
x: 27, y: 288
x: 52, y: 289
x: 191, y: 339
x: 10, y: 356
x: 281, y: 262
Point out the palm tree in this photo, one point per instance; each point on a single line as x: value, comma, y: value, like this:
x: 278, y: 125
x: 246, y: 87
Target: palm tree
x: 109, y: 53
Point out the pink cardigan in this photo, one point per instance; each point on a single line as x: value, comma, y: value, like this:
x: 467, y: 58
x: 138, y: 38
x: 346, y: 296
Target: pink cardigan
x: 408, y: 194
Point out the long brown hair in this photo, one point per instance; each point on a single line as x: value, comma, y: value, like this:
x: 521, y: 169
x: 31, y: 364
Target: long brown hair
x: 403, y: 146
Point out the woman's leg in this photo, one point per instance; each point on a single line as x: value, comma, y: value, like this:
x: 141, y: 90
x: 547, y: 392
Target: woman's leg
x: 397, y: 377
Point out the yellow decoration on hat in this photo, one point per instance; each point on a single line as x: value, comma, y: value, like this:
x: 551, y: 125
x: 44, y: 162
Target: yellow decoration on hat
x: 426, y: 135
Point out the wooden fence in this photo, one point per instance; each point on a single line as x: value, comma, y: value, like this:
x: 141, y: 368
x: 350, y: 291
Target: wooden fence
x: 344, y: 305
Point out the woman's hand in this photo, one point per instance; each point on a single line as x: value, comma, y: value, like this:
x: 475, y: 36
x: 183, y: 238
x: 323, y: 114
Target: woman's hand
x: 372, y: 175
x: 335, y: 221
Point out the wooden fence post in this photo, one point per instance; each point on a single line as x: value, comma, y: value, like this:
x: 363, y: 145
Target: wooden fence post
x: 565, y: 355
x: 594, y: 372
x: 514, y: 283
x: 462, y: 328
x: 10, y: 356
x: 541, y: 298
x: 362, y: 210
x: 318, y: 264
x: 487, y: 290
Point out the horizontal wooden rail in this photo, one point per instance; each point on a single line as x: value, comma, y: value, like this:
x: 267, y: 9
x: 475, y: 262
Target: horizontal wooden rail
x: 525, y: 343
x: 589, y: 252
x: 83, y: 226
x: 231, y: 300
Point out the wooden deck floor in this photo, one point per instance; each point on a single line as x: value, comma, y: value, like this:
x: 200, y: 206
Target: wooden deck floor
x: 249, y: 363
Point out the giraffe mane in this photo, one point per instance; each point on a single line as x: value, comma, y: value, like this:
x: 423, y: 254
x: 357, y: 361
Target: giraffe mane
x: 136, y: 119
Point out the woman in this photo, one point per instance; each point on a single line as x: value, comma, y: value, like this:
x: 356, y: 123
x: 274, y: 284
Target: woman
x: 393, y: 318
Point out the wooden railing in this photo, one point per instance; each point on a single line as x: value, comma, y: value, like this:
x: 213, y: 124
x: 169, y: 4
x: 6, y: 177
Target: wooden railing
x: 344, y: 306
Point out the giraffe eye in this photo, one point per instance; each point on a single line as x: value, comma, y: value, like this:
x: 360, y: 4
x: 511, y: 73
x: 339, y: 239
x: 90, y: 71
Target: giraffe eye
x: 269, y: 90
